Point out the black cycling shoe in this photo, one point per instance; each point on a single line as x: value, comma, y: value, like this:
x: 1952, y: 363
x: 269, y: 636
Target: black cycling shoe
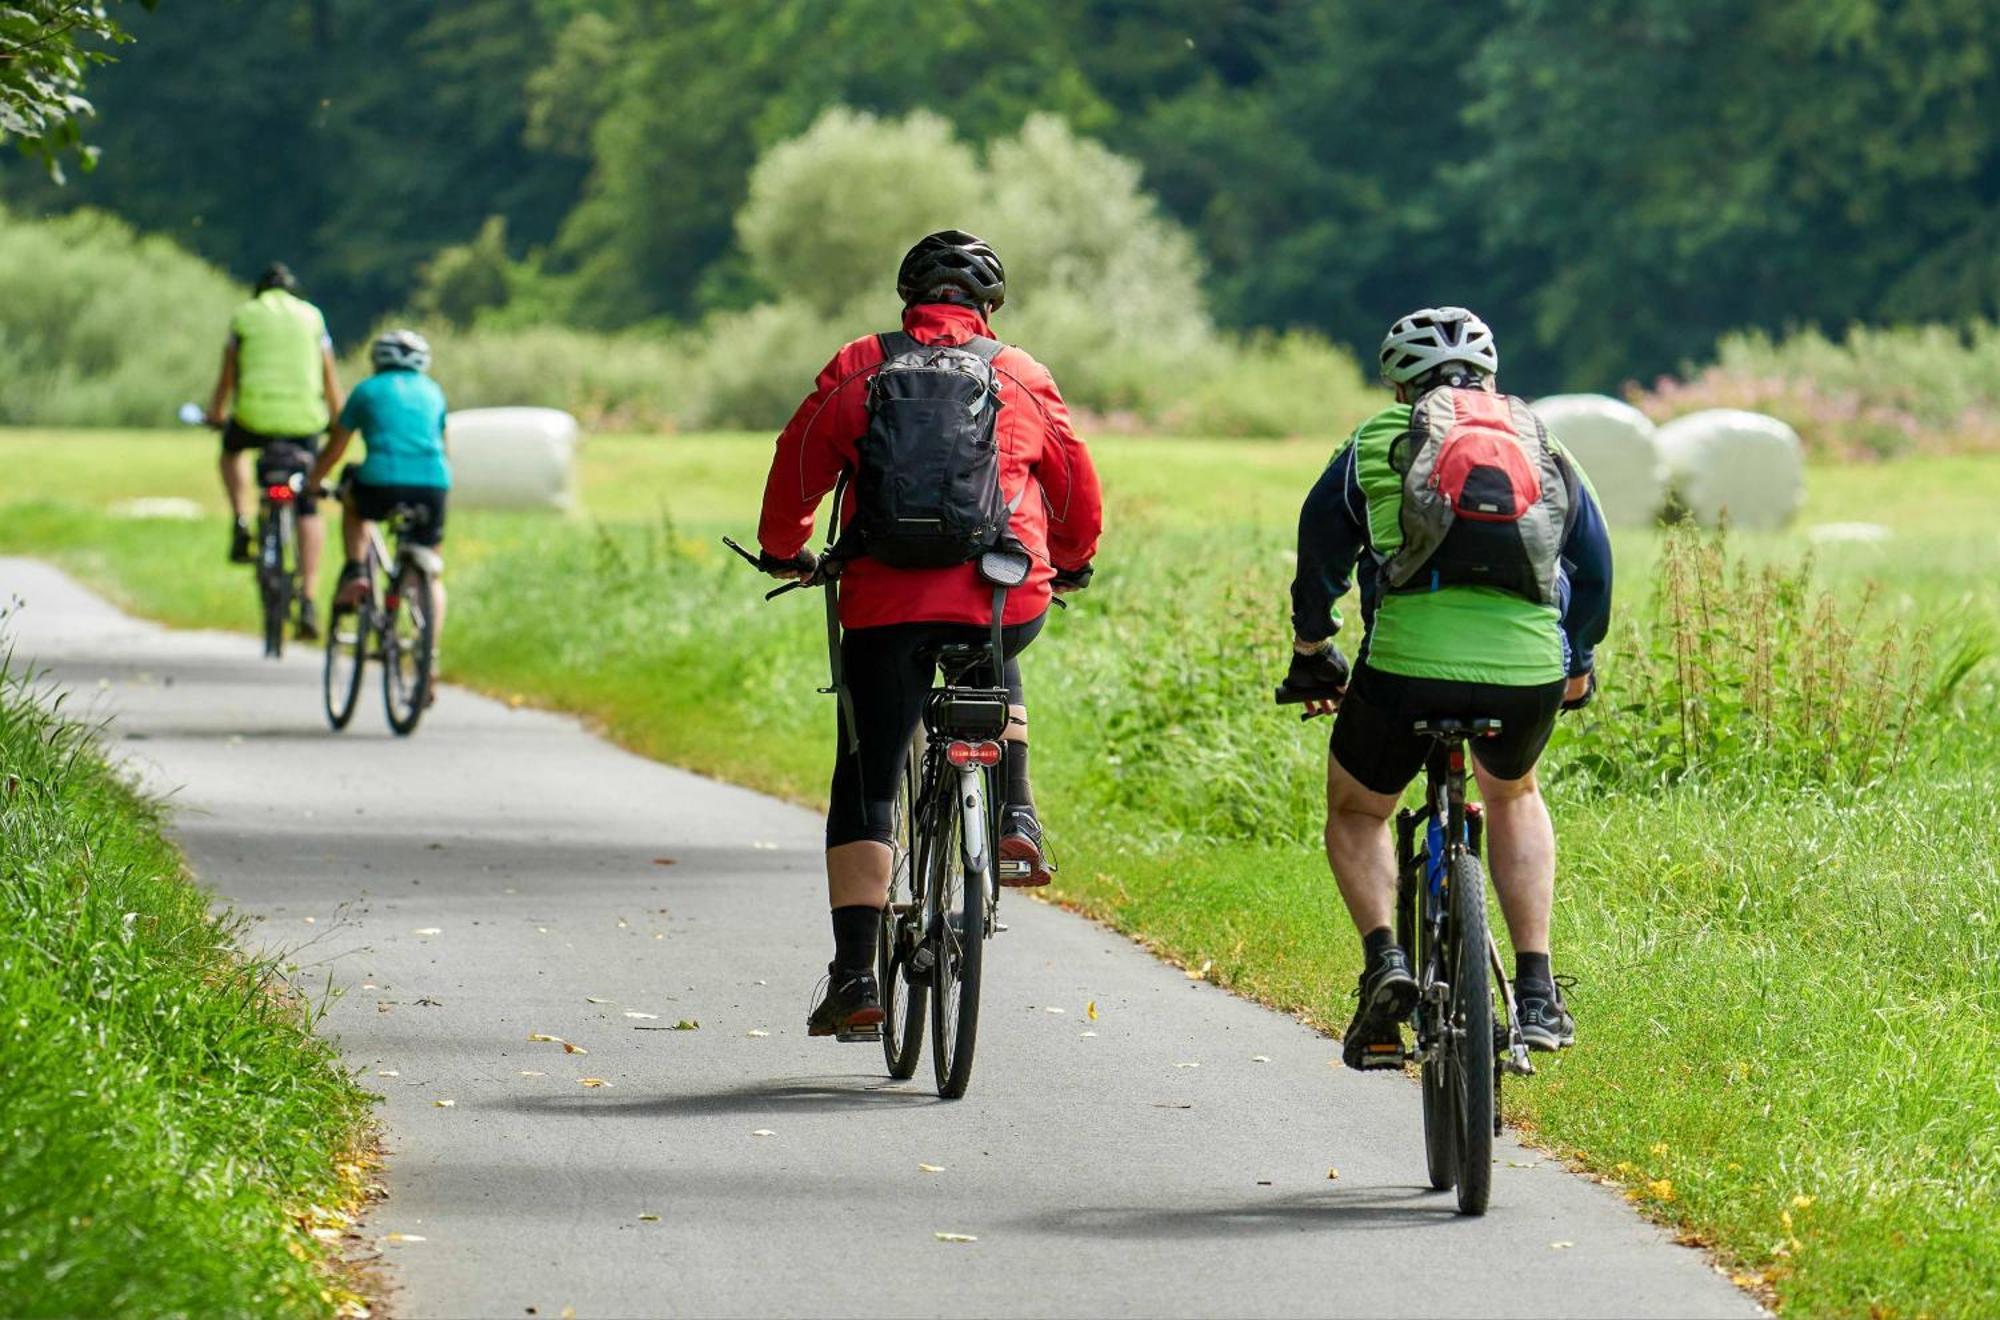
x: 1024, y: 859
x: 308, y: 629
x: 1544, y: 1018
x: 1387, y: 993
x: 239, y: 544
x: 851, y: 1009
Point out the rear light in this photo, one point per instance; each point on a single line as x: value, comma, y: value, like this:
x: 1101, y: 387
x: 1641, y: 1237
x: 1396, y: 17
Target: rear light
x: 278, y: 494
x: 963, y: 754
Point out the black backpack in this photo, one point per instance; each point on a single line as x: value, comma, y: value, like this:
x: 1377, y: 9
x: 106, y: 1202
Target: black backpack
x: 927, y: 484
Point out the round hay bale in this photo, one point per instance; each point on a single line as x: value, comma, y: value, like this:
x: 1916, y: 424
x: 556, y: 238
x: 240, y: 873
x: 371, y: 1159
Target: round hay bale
x: 1613, y: 442
x: 1731, y: 466
x: 511, y: 458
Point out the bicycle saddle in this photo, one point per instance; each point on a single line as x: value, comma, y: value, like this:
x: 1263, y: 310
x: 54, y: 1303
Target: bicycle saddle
x: 957, y: 659
x: 1476, y: 727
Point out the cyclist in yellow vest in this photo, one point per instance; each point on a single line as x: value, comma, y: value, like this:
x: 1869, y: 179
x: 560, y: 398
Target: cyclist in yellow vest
x: 279, y: 366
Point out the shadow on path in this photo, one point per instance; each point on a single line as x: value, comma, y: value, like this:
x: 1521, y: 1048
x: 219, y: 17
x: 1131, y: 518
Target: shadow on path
x: 820, y: 1095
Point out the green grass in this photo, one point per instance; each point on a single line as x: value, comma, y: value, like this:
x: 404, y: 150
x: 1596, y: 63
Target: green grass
x: 1789, y: 995
x: 168, y: 1117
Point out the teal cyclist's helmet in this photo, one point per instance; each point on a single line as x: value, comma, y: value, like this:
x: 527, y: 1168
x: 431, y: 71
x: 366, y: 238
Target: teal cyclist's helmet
x: 400, y: 350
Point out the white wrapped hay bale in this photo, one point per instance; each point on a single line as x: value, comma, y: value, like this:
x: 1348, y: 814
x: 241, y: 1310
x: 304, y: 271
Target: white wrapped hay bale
x: 511, y: 458
x: 1729, y: 465
x: 1614, y: 442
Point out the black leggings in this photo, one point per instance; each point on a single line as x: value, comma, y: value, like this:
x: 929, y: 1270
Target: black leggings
x: 888, y: 672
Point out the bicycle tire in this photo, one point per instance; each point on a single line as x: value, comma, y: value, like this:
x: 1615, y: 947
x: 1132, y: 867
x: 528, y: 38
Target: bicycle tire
x: 956, y: 906
x: 1440, y: 1126
x: 1472, y: 1043
x: 904, y: 997
x: 271, y: 581
x: 346, y: 659
x: 409, y: 641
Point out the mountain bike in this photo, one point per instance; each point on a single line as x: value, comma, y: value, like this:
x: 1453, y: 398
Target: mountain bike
x: 393, y: 623
x: 945, y: 877
x: 1466, y: 1032
x: 281, y: 593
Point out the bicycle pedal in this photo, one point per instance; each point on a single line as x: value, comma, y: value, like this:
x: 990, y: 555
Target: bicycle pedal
x: 859, y: 1034
x: 1375, y: 1057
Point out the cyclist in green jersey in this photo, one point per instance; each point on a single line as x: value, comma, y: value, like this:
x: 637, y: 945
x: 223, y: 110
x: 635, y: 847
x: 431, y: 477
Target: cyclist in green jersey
x: 279, y: 366
x: 1440, y: 641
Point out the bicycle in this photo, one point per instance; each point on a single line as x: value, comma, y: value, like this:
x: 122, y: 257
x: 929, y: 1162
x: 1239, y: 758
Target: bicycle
x: 944, y: 878
x: 281, y: 596
x: 392, y: 623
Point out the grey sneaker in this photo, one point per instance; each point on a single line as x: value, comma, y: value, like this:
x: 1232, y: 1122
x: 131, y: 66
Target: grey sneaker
x: 1545, y: 1021
x: 1386, y: 994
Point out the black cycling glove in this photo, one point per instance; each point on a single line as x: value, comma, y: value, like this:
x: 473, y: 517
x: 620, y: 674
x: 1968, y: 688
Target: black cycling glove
x: 802, y: 562
x: 1321, y: 673
x: 1072, y: 579
x: 1589, y: 693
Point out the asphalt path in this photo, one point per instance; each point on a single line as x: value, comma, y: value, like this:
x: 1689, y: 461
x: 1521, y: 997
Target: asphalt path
x: 504, y: 874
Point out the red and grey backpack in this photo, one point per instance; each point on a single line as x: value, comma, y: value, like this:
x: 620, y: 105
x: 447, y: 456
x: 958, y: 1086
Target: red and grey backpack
x: 1487, y: 496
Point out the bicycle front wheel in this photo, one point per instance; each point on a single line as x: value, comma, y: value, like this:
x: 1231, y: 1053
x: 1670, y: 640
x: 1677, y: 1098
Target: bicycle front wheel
x: 956, y: 907
x: 409, y: 645
x: 1471, y: 1052
x: 904, y: 987
x: 1416, y: 935
x: 346, y: 657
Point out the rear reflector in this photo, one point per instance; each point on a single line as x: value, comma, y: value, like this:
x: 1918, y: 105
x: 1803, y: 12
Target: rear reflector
x: 962, y: 754
x: 278, y: 494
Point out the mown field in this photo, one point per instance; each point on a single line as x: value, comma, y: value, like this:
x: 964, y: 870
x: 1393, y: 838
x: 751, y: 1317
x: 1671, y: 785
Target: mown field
x: 1778, y: 892
x: 173, y: 1130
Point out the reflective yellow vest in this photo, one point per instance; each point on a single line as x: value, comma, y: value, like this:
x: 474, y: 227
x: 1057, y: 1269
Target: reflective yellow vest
x: 280, y: 383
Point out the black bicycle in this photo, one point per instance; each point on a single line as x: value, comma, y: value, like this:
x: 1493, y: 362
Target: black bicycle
x: 281, y: 595
x: 944, y: 889
x: 393, y: 623
x: 1467, y: 1036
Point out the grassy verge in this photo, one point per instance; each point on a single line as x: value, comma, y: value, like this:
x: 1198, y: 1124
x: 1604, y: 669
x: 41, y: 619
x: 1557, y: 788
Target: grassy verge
x: 169, y: 1120
x: 1789, y: 995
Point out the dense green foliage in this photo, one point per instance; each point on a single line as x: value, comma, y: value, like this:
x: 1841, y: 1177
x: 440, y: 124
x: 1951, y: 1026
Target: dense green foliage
x: 1613, y: 184
x: 46, y: 49
x: 168, y: 1117
x: 1787, y: 983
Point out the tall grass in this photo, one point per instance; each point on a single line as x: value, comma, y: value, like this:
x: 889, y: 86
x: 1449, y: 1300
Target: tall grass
x: 167, y: 1115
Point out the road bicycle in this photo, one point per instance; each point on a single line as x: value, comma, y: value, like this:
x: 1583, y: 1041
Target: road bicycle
x: 1466, y: 1029
x: 945, y: 874
x: 1467, y: 1032
x: 392, y: 623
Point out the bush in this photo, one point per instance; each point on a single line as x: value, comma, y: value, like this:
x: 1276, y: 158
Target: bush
x: 1275, y: 385
x: 101, y: 327
x: 1875, y: 394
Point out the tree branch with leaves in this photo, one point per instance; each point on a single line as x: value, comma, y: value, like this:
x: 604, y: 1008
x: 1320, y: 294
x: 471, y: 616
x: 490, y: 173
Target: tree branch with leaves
x: 46, y: 49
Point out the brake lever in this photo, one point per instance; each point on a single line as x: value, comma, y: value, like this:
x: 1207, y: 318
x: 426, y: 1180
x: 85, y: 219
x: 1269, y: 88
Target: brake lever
x: 747, y: 556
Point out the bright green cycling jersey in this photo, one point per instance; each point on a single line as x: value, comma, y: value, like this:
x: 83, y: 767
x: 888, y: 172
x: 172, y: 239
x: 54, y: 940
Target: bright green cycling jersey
x: 1466, y: 634
x: 280, y: 376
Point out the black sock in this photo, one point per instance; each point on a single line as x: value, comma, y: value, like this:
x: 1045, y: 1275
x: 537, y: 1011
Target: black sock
x: 854, y: 931
x: 1377, y: 942
x: 1532, y: 969
x: 1014, y: 759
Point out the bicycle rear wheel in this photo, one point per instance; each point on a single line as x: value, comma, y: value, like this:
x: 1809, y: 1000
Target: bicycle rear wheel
x: 410, y: 643
x: 273, y: 578
x: 903, y: 986
x: 955, y: 908
x: 1471, y: 1052
x: 346, y: 657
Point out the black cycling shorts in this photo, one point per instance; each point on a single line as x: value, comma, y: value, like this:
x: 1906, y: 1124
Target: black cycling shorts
x: 376, y: 503
x: 888, y: 672
x: 1372, y: 739
x: 279, y: 459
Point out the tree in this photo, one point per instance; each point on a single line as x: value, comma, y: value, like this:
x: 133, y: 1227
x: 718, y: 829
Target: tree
x: 46, y: 47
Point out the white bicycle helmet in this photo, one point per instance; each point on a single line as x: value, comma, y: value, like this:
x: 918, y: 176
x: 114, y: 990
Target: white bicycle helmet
x: 401, y: 348
x: 1435, y: 337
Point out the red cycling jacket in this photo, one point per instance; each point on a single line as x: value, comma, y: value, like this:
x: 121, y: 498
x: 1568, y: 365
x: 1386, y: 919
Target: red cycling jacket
x: 1037, y: 445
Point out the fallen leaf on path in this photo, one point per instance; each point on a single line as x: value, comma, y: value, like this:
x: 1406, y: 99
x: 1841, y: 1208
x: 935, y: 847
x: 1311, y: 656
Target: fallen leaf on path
x: 387, y: 1072
x: 1263, y: 1182
x: 568, y: 1313
x: 1189, y: 1064
x: 1090, y: 1010
x: 1171, y: 1104
x: 649, y: 1219
x: 530, y: 1072
x: 516, y: 701
x: 687, y: 1024
x: 954, y: 1237
x: 1333, y: 1175
x: 444, y: 1104
x: 1196, y: 973
x: 427, y: 1002
x: 1561, y: 1246
x: 569, y: 1048
x: 1260, y: 1058
x: 930, y: 1168
x: 536, y: 1035
x: 757, y: 1032
x: 649, y: 1017
x: 326, y: 1234
x: 1523, y: 1164
x: 1085, y: 1033
x: 312, y: 921
x: 593, y: 999
x: 1053, y: 1009
x: 428, y: 930
x: 591, y: 1081
x: 665, y: 861
x: 404, y: 1237
x: 762, y: 846
x: 762, y: 1132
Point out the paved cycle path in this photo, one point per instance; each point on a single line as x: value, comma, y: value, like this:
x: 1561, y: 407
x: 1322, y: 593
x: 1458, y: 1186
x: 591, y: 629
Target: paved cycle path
x: 505, y: 873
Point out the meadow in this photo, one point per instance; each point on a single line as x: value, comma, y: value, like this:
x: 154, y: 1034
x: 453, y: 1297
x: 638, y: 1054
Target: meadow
x: 1778, y: 893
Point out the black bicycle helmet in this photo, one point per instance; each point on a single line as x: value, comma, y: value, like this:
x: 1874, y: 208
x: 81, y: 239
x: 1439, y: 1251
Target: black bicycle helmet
x: 952, y: 258
x: 277, y: 275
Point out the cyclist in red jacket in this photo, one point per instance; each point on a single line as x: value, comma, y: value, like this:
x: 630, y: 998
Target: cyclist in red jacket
x: 950, y: 282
